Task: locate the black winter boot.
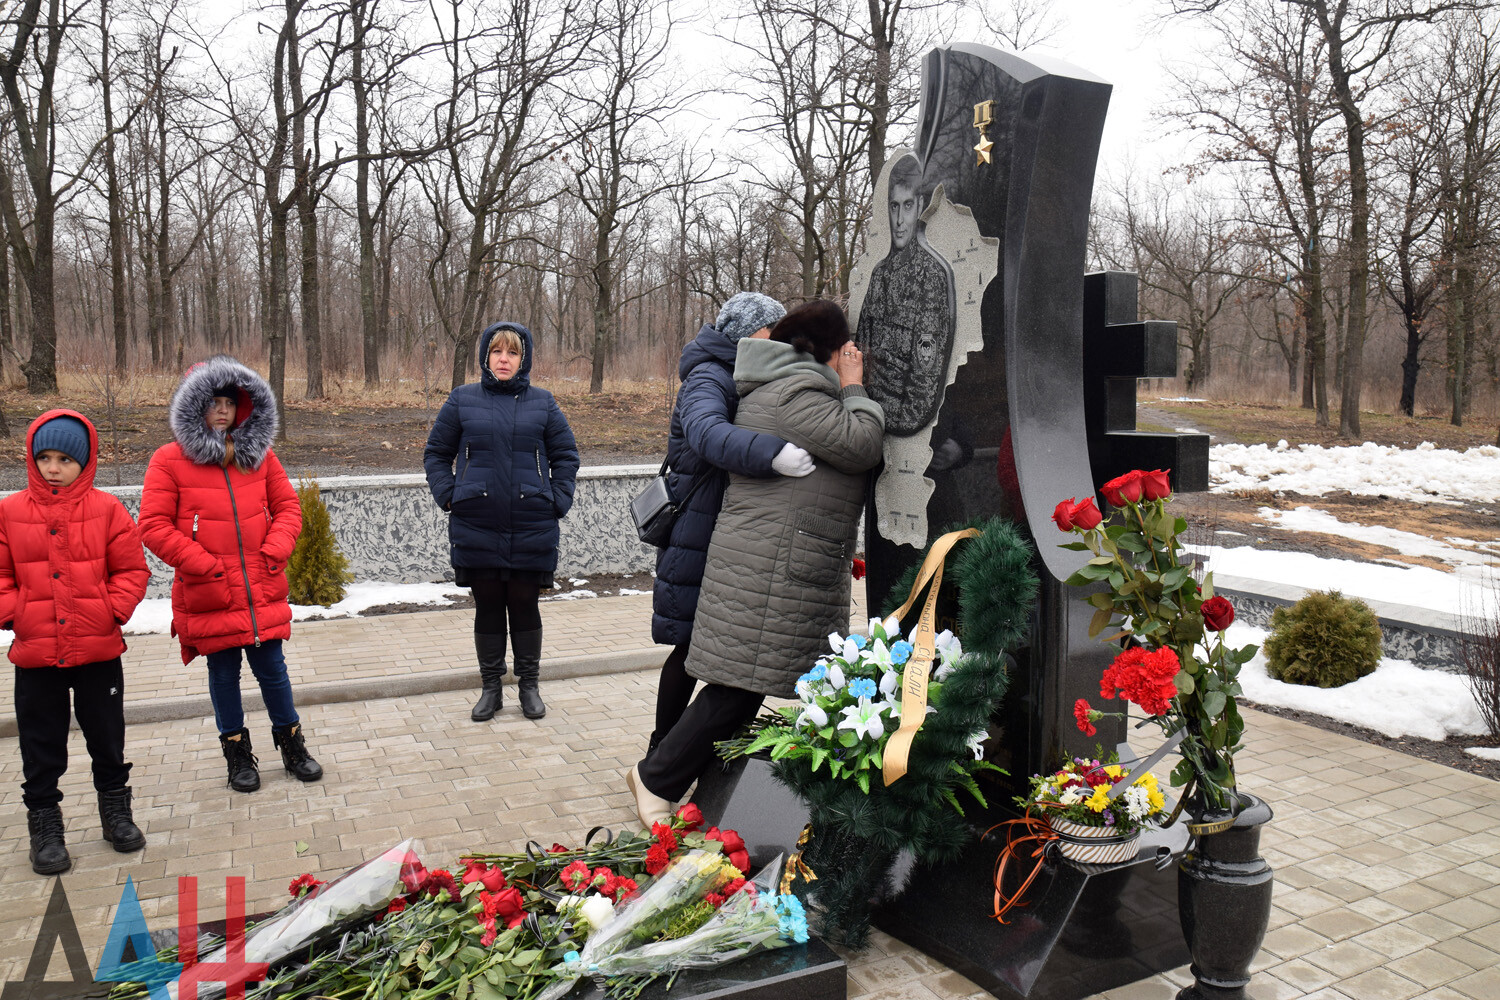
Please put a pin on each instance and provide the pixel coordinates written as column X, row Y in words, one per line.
column 527, row 656
column 294, row 752
column 243, row 777
column 490, row 650
column 49, row 854
column 119, row 823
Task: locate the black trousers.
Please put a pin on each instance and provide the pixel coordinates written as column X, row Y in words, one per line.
column 98, row 695
column 687, row 749
column 497, row 600
column 674, row 689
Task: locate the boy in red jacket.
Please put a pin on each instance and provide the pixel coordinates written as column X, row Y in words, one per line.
column 219, row 509
column 71, row 573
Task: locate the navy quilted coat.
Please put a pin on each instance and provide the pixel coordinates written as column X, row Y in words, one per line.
column 502, row 461
column 704, row 440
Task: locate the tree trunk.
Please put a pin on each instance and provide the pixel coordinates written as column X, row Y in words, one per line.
column 163, row 234
column 312, row 327
column 40, row 368
column 116, row 201
column 604, row 306
column 1410, row 365
column 369, row 330
column 1353, row 355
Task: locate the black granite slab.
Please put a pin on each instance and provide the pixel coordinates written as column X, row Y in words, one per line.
column 744, row 796
column 1083, row 929
column 799, row 972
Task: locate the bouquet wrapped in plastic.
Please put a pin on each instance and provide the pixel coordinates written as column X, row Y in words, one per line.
column 697, row 913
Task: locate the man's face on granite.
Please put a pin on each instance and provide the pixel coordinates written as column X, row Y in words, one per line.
column 904, row 210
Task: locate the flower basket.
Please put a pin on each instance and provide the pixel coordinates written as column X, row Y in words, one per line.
column 1094, row 845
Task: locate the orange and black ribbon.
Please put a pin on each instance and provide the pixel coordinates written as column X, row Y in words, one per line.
column 1028, row 836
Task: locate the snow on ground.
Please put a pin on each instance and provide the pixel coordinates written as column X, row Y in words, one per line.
column 1398, row 699
column 1425, row 473
column 1456, row 551
column 1487, row 753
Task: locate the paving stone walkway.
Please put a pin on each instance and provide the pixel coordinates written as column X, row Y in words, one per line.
column 1388, row 866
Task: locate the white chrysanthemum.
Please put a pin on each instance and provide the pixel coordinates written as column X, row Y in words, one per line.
column 1137, row 802
column 1071, row 797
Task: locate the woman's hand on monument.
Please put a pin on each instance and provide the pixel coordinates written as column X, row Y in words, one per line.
column 849, row 362
column 792, row 461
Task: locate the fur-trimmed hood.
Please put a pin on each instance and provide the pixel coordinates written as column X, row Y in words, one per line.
column 255, row 422
column 522, row 378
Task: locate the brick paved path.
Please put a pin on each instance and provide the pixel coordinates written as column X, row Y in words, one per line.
column 1388, row 866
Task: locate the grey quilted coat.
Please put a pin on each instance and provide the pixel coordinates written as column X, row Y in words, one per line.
column 777, row 580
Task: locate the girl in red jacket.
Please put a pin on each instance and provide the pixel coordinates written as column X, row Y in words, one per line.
column 71, row 573
column 218, row 508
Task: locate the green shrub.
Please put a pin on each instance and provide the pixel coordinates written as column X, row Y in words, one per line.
column 1324, row 640
column 317, row 571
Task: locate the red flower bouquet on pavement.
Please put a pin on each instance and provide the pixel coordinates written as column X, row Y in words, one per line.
column 1176, row 666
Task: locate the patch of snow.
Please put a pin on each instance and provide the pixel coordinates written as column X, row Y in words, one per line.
column 1183, row 399
column 1405, row 542
column 632, row 592
column 1398, row 699
column 1485, row 753
column 576, row 582
column 361, row 596
column 572, row 595
column 1423, row 474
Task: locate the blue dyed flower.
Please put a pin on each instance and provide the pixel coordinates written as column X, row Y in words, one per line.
column 862, row 687
column 792, row 919
column 900, row 651
column 858, row 640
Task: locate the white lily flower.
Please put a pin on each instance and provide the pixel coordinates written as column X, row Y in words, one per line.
column 889, row 682
column 814, row 715
column 976, row 743
column 880, row 654
column 836, row 642
column 865, row 719
column 835, row 675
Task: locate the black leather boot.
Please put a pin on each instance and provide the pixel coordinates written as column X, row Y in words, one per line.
column 490, row 650
column 288, row 739
column 243, row 777
column 527, row 656
column 119, row 823
column 49, row 854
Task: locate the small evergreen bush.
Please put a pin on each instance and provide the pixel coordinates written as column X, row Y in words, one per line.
column 317, row 571
column 1324, row 640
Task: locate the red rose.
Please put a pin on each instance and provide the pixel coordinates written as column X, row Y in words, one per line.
column 656, row 859
column 1062, row 514
column 302, row 884
column 506, row 906
column 1218, row 614
column 412, row 874
column 1086, row 515
column 557, row 848
column 732, row 841
column 857, row 570
column 1123, row 489
column 1082, row 715
column 1145, row 678
column 741, row 860
column 1156, row 484
column 664, row 836
column 691, row 817
column 492, row 879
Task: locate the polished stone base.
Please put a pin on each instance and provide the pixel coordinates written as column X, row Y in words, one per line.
column 1083, row 929
column 799, row 972
column 744, row 796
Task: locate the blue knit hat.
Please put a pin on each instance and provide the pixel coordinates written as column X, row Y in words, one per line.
column 65, row 434
column 747, row 312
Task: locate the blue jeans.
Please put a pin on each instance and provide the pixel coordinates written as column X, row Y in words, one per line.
column 269, row 667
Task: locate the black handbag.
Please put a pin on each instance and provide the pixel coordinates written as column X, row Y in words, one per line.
column 655, row 510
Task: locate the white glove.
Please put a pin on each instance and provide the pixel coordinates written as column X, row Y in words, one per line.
column 792, row 461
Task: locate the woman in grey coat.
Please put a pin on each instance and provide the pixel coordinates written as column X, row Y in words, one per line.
column 777, row 580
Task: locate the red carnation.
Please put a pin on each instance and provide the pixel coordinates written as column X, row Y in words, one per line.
column 1124, row 489
column 623, row 888
column 664, row 836
column 440, row 880
column 656, row 859
column 1218, row 614
column 1082, row 714
column 302, row 884
column 576, row 876
column 397, row 905
column 734, row 886
column 713, row 899
column 1156, row 484
column 857, row 570
column 691, row 817
column 1146, row 678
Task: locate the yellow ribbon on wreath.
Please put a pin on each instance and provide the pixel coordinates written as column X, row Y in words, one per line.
column 924, row 650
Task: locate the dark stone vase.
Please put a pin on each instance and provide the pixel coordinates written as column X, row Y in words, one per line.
column 1224, row 902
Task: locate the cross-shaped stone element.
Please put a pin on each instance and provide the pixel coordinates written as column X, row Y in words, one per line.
column 1119, row 349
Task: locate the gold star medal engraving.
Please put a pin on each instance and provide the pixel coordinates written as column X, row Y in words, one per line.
column 984, row 117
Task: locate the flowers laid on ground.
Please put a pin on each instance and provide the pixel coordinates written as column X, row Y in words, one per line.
column 503, row 926
column 1177, row 667
column 1079, row 792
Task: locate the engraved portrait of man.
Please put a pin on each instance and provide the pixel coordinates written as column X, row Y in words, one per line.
column 906, row 324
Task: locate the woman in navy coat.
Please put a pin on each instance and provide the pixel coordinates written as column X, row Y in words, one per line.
column 502, row 461
column 705, row 442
